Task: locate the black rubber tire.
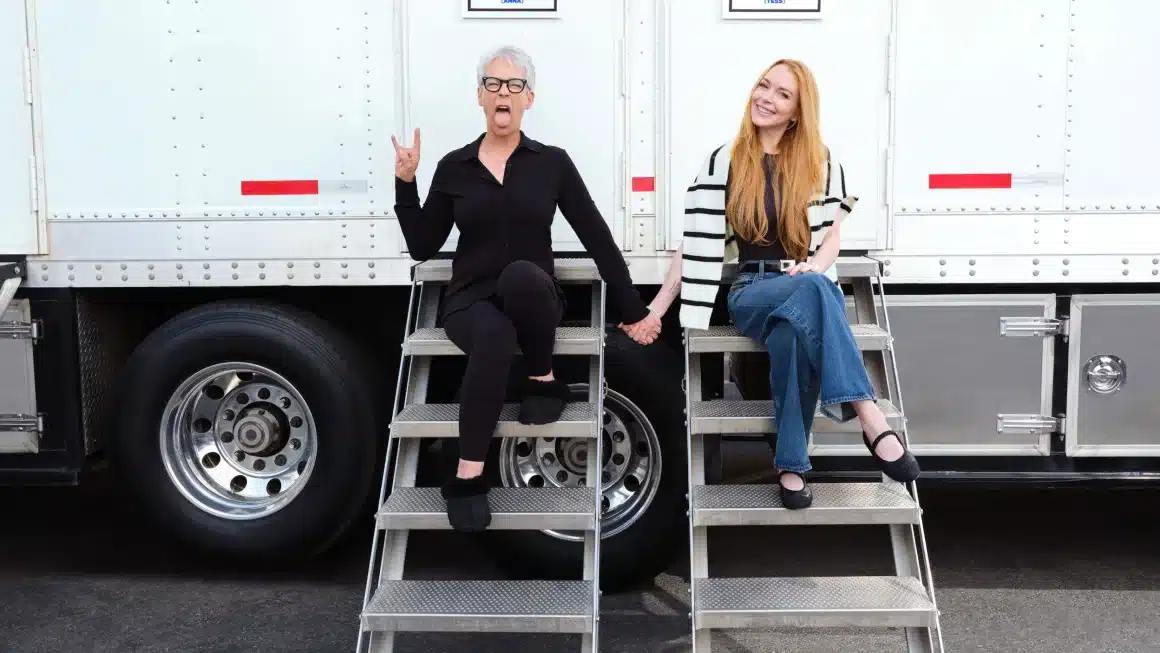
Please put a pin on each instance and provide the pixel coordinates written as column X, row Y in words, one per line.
column 649, row 376
column 318, row 360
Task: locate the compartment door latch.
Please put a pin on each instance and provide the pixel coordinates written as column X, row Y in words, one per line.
column 1032, row 326
column 1030, row 424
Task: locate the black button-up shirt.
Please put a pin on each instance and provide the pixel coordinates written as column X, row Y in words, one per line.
column 502, row 223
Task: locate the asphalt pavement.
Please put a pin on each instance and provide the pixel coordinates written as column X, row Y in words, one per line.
column 1027, row 570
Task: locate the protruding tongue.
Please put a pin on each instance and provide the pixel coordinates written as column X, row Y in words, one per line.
column 503, row 116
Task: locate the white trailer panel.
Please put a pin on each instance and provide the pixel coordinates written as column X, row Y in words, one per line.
column 909, row 89
column 579, row 103
column 711, row 63
column 981, row 95
column 19, row 232
column 159, row 108
column 1112, row 94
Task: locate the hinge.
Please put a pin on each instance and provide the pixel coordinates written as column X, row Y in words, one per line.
column 22, row 423
column 886, row 156
column 1032, row 326
column 20, row 330
column 32, row 183
column 890, row 63
column 625, row 185
column 1033, row 424
column 622, row 63
column 27, row 75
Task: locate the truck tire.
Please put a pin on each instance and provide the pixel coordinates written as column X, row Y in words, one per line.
column 645, row 524
column 246, row 429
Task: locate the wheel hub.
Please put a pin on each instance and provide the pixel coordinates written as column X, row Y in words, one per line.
column 257, row 431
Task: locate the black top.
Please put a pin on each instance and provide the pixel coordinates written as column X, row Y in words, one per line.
column 774, row 251
column 501, row 223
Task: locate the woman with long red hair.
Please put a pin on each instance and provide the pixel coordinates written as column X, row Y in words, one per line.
column 773, row 201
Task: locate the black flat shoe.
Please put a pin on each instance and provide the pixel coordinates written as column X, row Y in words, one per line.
column 543, row 401
column 903, row 470
column 795, row 499
column 467, row 509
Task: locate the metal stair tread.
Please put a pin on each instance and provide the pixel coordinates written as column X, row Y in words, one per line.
column 846, row 267
column 423, row 508
column 813, row 601
column 566, row 270
column 719, row 339
column 834, row 504
column 575, row 270
column 481, row 605
column 717, row 416
column 434, row 342
column 442, row 421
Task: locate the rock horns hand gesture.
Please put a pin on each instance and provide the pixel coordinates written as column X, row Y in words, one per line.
column 406, row 158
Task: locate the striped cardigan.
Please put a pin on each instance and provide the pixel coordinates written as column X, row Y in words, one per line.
column 709, row 241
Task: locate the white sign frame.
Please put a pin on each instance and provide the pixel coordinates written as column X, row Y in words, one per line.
column 774, row 9
column 499, row 9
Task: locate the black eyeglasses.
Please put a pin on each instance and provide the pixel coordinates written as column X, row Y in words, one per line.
column 513, row 85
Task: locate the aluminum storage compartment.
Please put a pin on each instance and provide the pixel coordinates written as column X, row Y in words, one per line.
column 966, row 387
column 1113, row 391
column 19, row 423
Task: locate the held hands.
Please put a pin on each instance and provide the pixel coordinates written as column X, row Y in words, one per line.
column 406, row 158
column 645, row 331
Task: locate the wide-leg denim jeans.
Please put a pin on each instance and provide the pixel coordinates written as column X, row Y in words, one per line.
column 813, row 356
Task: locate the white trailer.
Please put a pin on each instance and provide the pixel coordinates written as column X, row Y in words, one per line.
column 201, row 189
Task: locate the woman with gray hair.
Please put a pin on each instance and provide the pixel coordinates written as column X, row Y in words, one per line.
column 502, row 190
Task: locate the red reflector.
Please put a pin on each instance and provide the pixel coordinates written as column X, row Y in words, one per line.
column 644, row 184
column 973, row 181
column 291, row 187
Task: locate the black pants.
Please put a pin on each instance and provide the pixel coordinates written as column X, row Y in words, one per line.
column 523, row 315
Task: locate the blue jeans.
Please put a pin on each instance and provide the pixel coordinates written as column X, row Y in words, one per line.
column 812, row 353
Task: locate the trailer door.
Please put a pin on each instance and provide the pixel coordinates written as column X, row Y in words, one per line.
column 714, row 53
column 574, row 46
column 18, row 219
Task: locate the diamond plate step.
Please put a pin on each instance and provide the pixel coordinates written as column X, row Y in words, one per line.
column 570, row 341
column 808, row 602
column 834, row 504
column 578, row 270
column 442, row 421
column 423, row 508
column 567, row 270
column 524, row 606
column 721, row 416
column 719, row 339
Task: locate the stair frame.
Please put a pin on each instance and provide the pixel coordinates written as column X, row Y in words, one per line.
column 907, row 533
column 400, row 468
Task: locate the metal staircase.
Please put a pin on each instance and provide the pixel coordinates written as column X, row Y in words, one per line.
column 905, row 600
column 393, row 604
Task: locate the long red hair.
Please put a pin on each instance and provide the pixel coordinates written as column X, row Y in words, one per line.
column 799, row 167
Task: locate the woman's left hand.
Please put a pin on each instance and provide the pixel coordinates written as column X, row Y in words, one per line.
column 804, row 266
column 645, row 331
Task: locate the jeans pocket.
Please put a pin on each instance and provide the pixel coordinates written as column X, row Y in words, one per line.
column 736, row 287
column 740, row 282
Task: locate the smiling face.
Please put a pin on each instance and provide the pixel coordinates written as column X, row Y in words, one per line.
column 504, row 95
column 774, row 102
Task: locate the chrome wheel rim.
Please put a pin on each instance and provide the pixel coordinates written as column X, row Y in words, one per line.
column 631, row 468
column 238, row 441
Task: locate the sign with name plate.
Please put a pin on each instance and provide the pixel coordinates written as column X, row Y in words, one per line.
column 772, row 9
column 509, row 8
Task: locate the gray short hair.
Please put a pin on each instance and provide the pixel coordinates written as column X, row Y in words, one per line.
column 513, row 55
